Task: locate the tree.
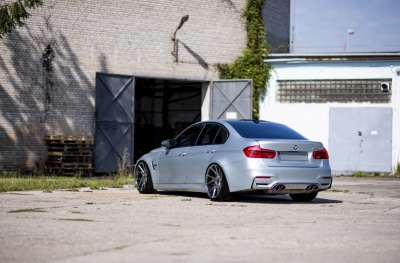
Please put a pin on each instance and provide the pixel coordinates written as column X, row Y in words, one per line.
column 14, row 13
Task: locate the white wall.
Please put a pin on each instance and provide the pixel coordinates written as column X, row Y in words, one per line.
column 312, row 119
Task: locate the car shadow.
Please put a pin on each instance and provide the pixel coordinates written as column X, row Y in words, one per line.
column 280, row 199
column 253, row 198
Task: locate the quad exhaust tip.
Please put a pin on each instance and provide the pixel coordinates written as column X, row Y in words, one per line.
column 312, row 187
column 279, row 187
column 282, row 187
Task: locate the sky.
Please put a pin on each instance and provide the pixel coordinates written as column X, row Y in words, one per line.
column 321, row 26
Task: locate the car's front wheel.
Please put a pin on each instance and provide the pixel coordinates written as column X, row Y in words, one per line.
column 216, row 184
column 304, row 197
column 143, row 181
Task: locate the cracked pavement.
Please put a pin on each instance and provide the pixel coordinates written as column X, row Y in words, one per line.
column 357, row 221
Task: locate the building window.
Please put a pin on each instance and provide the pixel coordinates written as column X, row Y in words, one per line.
column 320, row 91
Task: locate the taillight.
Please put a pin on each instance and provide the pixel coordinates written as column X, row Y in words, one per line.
column 257, row 152
column 321, row 154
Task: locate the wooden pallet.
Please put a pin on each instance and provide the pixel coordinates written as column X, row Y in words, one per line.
column 69, row 139
column 68, row 159
column 69, row 148
column 67, row 165
column 69, row 155
column 69, row 172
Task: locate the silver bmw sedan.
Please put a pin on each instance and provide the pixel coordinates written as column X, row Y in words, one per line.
column 224, row 157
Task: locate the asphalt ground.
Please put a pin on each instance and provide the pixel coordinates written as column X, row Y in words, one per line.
column 357, row 221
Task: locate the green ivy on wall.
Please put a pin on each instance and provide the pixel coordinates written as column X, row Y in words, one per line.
column 251, row 65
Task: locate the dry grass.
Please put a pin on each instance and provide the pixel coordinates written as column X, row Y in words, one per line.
column 17, row 182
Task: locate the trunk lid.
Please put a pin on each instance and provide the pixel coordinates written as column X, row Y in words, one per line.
column 292, row 153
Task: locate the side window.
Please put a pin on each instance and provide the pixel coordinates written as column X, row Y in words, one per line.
column 208, row 134
column 222, row 136
column 188, row 137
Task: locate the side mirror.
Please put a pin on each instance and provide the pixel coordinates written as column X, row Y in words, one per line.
column 167, row 143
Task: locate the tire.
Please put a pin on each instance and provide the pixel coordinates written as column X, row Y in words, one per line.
column 216, row 185
column 144, row 183
column 304, row 197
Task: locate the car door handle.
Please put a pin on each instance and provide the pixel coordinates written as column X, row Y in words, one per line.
column 182, row 154
column 211, row 151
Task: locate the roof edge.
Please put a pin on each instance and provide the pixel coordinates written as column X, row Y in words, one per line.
column 333, row 57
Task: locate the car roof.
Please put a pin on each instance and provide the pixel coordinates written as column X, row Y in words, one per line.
column 261, row 129
column 255, row 121
column 246, row 120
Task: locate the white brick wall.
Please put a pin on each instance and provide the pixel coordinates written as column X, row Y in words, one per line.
column 124, row 37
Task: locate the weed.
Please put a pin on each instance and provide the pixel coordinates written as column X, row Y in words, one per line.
column 17, row 182
column 397, row 170
column 366, row 193
column 371, row 174
column 217, row 204
column 27, row 210
column 79, row 174
column 187, row 199
column 123, row 165
column 358, row 174
column 338, row 191
column 120, row 247
column 76, row 219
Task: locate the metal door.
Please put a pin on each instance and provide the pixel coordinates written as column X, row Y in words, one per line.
column 114, row 121
column 360, row 139
column 231, row 99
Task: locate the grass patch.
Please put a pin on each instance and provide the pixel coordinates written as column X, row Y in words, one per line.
column 76, row 219
column 13, row 182
column 372, row 174
column 357, row 174
column 96, row 187
column 120, row 247
column 338, row 191
column 27, row 210
column 397, row 170
column 73, row 190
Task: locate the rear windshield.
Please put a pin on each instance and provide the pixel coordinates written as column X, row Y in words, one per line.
column 265, row 130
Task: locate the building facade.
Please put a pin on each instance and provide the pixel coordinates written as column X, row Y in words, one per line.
column 350, row 102
column 50, row 68
column 276, row 16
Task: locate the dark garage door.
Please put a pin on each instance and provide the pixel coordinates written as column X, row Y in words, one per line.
column 135, row 114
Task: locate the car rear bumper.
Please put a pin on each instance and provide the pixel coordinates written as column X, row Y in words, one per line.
column 292, row 188
column 255, row 175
